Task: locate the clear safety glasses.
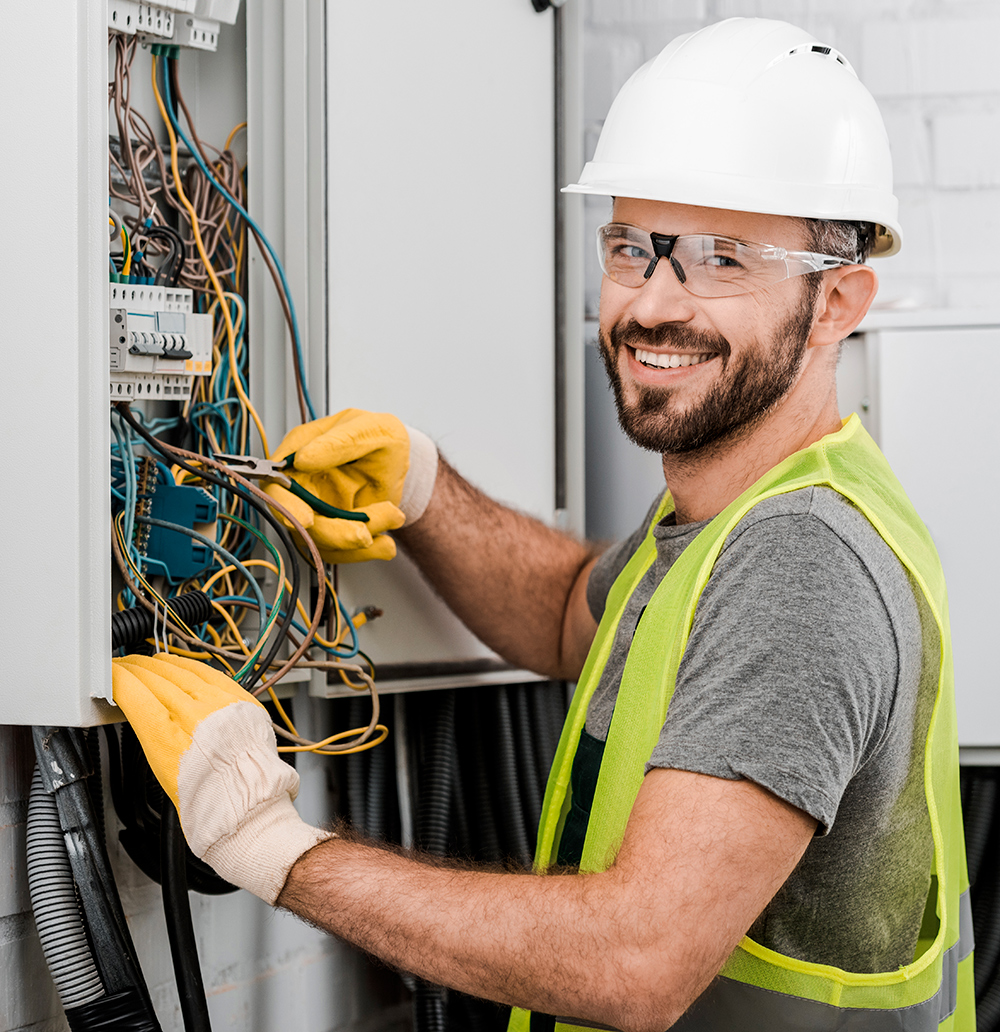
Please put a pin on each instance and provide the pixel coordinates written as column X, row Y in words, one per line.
column 706, row 265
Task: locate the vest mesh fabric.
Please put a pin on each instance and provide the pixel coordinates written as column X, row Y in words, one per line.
column 849, row 462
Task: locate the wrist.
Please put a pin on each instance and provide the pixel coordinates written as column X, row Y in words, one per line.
column 260, row 854
column 420, row 477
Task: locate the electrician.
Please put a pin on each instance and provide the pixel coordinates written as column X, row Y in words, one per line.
column 782, row 847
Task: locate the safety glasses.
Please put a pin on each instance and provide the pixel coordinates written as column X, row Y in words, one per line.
column 706, row 265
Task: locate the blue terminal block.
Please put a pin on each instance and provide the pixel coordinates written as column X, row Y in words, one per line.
column 168, row 552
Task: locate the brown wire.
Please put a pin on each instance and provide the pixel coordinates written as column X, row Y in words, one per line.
column 175, row 87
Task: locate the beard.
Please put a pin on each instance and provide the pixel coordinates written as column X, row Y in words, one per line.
column 750, row 386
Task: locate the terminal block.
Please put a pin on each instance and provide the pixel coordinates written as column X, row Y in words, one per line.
column 170, row 553
column 158, row 344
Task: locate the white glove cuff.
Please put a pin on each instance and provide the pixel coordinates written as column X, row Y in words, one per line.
column 260, row 854
column 419, row 483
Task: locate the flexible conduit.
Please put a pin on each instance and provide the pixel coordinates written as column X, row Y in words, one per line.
column 53, row 899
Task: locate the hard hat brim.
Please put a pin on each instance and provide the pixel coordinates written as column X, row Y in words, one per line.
column 850, row 203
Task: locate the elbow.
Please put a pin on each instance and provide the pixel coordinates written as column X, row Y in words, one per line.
column 650, row 996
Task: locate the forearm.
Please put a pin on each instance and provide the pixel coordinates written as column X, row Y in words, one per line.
column 507, row 576
column 563, row 944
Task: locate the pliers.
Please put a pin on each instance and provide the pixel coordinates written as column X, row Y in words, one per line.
column 272, row 469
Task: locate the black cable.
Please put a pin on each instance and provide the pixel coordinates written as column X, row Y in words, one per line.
column 527, row 764
column 433, row 821
column 981, row 794
column 180, row 928
column 479, row 802
column 64, row 750
column 172, row 266
column 130, row 626
column 375, row 789
column 357, row 795
column 508, row 802
column 254, row 674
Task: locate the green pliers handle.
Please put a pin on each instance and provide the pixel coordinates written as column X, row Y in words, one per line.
column 323, row 508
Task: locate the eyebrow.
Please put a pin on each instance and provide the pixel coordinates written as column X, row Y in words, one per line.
column 725, row 244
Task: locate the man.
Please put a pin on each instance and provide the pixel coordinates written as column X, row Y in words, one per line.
column 759, row 771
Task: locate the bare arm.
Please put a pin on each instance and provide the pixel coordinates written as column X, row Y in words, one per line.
column 632, row 947
column 517, row 584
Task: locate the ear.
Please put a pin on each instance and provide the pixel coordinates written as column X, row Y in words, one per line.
column 844, row 298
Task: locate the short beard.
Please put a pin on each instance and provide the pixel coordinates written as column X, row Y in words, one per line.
column 749, row 388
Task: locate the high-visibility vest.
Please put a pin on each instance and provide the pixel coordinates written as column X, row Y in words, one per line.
column 759, row 989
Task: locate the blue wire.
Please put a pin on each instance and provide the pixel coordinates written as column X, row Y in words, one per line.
column 216, row 547
column 296, row 338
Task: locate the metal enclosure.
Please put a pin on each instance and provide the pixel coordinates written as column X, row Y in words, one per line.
column 441, row 205
column 54, row 421
column 439, row 145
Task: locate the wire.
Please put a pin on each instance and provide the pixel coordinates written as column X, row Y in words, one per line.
column 126, row 252
column 232, row 134
column 216, row 547
column 254, row 496
column 296, row 336
column 169, row 122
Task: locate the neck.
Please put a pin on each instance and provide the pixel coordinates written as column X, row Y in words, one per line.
column 703, row 483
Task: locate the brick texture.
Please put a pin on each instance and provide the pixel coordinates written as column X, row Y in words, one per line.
column 931, row 65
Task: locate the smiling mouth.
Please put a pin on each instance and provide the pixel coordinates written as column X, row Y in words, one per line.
column 663, row 360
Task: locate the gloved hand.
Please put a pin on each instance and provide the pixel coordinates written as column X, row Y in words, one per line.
column 363, row 461
column 211, row 746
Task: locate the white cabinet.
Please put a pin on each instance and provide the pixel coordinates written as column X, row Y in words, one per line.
column 925, row 385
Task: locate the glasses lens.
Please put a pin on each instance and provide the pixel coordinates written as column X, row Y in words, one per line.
column 720, row 267
column 625, row 253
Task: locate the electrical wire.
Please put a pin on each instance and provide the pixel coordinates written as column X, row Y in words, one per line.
column 299, row 362
column 208, row 196
column 169, row 122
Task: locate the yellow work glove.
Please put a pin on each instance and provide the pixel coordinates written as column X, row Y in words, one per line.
column 211, row 746
column 362, row 461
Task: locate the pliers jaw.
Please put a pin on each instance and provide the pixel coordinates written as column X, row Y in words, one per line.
column 256, row 469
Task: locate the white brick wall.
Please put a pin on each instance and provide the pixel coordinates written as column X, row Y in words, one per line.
column 933, row 68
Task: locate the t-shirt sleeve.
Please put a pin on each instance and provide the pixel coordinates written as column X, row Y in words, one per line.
column 613, row 561
column 790, row 672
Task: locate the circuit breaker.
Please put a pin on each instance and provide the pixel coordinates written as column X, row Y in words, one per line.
column 158, row 343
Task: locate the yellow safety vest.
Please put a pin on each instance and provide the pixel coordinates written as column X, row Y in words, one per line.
column 759, row 989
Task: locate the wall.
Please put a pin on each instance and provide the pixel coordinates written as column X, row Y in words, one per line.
column 932, row 67
column 264, row 970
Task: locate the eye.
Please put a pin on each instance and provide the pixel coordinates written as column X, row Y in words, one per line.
column 722, row 261
column 631, row 252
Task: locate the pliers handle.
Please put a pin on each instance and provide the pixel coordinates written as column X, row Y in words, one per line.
column 273, row 469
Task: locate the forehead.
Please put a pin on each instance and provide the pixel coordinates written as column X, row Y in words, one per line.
column 663, row 217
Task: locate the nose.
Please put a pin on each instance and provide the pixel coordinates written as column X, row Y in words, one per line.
column 662, row 299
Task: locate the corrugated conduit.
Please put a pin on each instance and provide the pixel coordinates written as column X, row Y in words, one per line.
column 53, row 899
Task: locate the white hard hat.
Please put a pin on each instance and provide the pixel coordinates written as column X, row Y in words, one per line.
column 754, row 115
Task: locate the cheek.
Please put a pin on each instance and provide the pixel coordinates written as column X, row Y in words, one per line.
column 614, row 301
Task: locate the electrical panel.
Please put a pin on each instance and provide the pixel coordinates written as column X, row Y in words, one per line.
column 185, row 23
column 158, row 344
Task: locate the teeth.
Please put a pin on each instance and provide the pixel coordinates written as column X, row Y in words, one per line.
column 665, row 361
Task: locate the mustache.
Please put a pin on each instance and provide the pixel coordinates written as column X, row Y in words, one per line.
column 680, row 338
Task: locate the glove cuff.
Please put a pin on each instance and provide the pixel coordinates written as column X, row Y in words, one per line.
column 260, row 854
column 419, row 483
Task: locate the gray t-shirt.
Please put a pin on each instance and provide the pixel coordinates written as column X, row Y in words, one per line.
column 801, row 674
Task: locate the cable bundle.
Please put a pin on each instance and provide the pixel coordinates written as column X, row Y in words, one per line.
column 981, row 816
column 470, row 770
